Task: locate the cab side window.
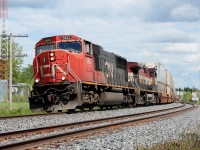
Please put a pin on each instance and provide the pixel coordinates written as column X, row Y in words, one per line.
column 88, row 48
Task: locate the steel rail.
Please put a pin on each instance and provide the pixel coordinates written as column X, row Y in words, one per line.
column 36, row 115
column 63, row 136
column 70, row 125
column 31, row 115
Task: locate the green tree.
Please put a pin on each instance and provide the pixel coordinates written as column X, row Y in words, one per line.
column 194, row 89
column 27, row 75
column 187, row 96
column 187, row 89
column 179, row 89
column 17, row 62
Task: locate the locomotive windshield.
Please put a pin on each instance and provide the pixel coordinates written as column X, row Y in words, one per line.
column 74, row 46
column 41, row 48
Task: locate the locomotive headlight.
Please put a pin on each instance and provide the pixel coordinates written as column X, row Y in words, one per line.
column 63, row 78
column 51, row 54
column 52, row 58
column 37, row 80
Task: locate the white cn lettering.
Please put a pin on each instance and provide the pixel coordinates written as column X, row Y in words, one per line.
column 109, row 69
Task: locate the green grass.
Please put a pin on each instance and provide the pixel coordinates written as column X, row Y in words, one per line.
column 189, row 141
column 19, row 108
column 178, row 145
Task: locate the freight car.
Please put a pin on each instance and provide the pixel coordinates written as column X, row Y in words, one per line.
column 71, row 72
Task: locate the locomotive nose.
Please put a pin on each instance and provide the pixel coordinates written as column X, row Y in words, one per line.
column 52, row 66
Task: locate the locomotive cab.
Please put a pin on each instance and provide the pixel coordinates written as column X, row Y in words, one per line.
column 58, row 72
column 61, row 65
column 55, row 59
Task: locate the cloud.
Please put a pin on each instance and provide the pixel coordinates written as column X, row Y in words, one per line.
column 148, row 54
column 167, row 35
column 30, row 4
column 191, row 58
column 165, row 31
column 186, row 12
column 182, row 48
column 170, row 11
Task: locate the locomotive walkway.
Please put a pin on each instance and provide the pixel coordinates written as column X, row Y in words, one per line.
column 86, row 128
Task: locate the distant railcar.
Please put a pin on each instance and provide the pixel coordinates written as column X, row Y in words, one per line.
column 70, row 72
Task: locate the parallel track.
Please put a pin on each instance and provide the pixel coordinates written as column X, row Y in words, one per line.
column 80, row 132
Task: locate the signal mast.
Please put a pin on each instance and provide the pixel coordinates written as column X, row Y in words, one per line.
column 3, row 41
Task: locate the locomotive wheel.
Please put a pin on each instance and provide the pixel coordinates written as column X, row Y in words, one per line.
column 91, row 108
column 146, row 103
column 49, row 111
column 71, row 111
column 101, row 107
column 128, row 105
column 59, row 110
column 82, row 108
column 108, row 107
column 123, row 106
column 134, row 105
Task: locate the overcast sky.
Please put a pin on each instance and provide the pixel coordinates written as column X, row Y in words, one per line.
column 167, row 31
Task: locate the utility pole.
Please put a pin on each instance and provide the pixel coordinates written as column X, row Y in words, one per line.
column 10, row 75
column 10, row 70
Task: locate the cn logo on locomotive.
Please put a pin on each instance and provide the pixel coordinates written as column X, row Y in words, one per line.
column 109, row 69
column 44, row 59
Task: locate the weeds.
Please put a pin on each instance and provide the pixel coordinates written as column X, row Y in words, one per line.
column 19, row 108
column 188, row 141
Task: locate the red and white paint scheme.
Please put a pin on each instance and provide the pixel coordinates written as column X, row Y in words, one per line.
column 71, row 72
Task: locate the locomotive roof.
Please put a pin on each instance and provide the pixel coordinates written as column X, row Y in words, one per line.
column 55, row 37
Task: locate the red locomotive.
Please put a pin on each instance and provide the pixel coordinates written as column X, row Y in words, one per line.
column 70, row 72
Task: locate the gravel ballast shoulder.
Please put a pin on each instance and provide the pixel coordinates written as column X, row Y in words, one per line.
column 126, row 138
column 130, row 138
column 9, row 125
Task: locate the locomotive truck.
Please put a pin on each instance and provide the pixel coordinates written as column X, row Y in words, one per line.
column 71, row 72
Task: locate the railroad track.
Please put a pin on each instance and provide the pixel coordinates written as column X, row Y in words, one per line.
column 33, row 115
column 38, row 115
column 80, row 129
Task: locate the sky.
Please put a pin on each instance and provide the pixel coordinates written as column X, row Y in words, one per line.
column 144, row 31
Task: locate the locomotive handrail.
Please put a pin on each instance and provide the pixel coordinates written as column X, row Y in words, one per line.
column 54, row 66
column 70, row 71
column 134, row 82
column 37, row 67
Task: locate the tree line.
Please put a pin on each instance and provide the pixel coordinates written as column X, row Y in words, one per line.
column 187, row 94
column 21, row 74
column 187, row 89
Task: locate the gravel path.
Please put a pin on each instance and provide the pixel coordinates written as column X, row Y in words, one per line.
column 146, row 135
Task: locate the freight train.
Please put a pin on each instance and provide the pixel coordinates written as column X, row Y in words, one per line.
column 71, row 72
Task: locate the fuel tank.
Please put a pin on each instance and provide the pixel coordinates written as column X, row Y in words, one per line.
column 111, row 98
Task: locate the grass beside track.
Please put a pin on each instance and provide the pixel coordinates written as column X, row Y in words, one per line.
column 19, row 108
column 189, row 141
